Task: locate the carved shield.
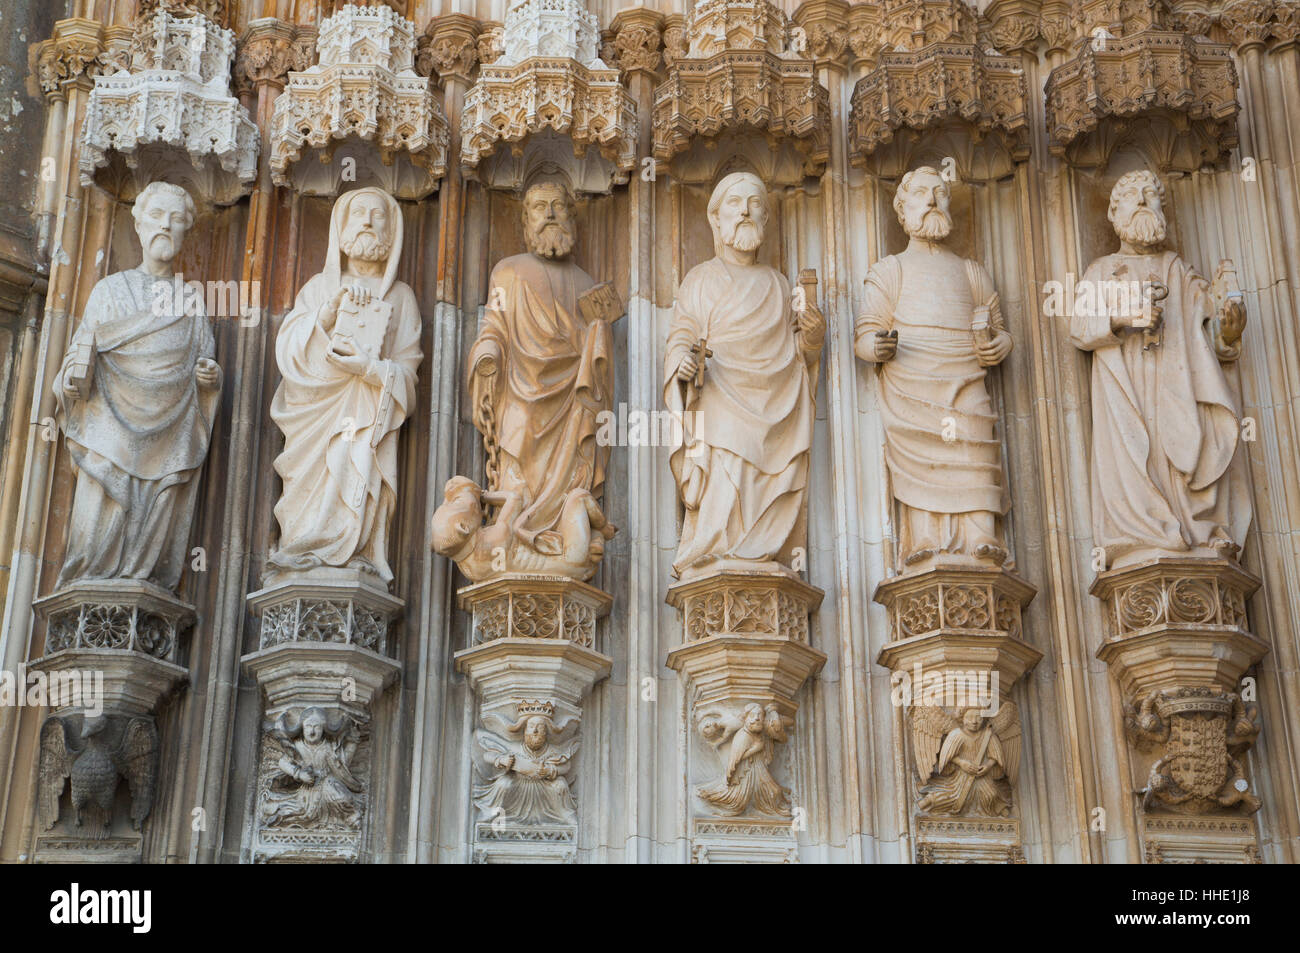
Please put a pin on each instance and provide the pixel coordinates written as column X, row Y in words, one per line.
column 1198, row 759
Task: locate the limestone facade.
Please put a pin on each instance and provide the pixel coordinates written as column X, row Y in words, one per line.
column 983, row 551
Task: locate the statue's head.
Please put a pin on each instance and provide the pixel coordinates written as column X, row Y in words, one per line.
column 365, row 225
column 548, row 220
column 1137, row 209
column 921, row 204
column 971, row 719
column 163, row 213
column 459, row 517
column 536, row 730
column 753, row 717
column 738, row 212
column 313, row 725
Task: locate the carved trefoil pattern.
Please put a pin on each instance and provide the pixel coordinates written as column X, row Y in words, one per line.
column 1183, row 89
column 173, row 105
column 311, row 619
column 540, row 608
column 364, row 87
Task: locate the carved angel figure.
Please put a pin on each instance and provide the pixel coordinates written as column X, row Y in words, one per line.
column 967, row 765
column 106, row 749
column 747, row 745
column 313, row 785
column 523, row 767
column 1204, row 733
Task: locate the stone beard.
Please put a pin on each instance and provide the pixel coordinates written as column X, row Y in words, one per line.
column 540, row 373
column 341, row 404
column 944, row 460
column 1167, row 477
column 139, row 428
column 742, row 469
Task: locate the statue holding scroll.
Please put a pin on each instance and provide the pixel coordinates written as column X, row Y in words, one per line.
column 137, row 396
column 348, row 354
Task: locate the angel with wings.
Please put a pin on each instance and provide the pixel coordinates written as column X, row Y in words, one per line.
column 105, row 750
column 523, row 767
column 967, row 765
column 747, row 744
column 313, row 784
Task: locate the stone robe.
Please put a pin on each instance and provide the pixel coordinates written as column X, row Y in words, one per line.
column 1167, row 476
column 949, row 491
column 743, row 466
column 339, row 464
column 554, row 376
column 139, row 439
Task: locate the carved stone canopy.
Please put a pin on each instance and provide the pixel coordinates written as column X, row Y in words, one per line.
column 973, row 101
column 741, row 83
column 365, row 89
column 170, row 115
column 549, row 85
column 1181, row 91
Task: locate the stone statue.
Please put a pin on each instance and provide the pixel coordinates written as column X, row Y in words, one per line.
column 932, row 322
column 968, row 766
column 523, row 767
column 313, row 785
column 348, row 354
column 136, row 397
column 740, row 368
column 482, row 551
column 1167, row 477
column 747, row 745
column 95, row 756
column 540, row 373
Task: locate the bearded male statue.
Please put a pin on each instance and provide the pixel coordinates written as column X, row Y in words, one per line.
column 540, row 374
column 1167, row 468
column 348, row 353
column 932, row 322
column 137, row 396
column 740, row 367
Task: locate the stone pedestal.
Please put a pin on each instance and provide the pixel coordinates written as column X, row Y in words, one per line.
column 957, row 646
column 744, row 659
column 321, row 659
column 109, row 662
column 1177, row 643
column 532, row 663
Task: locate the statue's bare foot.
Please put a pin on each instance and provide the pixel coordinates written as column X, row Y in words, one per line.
column 549, row 543
column 989, row 551
column 919, row 555
column 1226, row 548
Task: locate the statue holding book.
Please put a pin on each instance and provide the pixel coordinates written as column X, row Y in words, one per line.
column 348, row 354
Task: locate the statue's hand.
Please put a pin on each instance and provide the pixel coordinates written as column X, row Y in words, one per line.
column 506, row 762
column 74, row 390
column 883, row 347
column 687, row 369
column 343, row 353
column 207, row 374
column 812, row 325
column 1232, row 322
column 995, row 351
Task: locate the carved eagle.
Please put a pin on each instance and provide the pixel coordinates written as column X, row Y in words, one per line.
column 104, row 750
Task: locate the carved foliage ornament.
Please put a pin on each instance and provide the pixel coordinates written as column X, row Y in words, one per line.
column 365, row 86
column 985, row 94
column 1191, row 82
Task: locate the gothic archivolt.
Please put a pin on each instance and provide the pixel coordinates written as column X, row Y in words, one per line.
column 815, row 244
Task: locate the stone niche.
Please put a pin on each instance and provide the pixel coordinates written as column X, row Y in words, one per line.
column 361, row 114
column 167, row 114
column 548, row 101
column 740, row 88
